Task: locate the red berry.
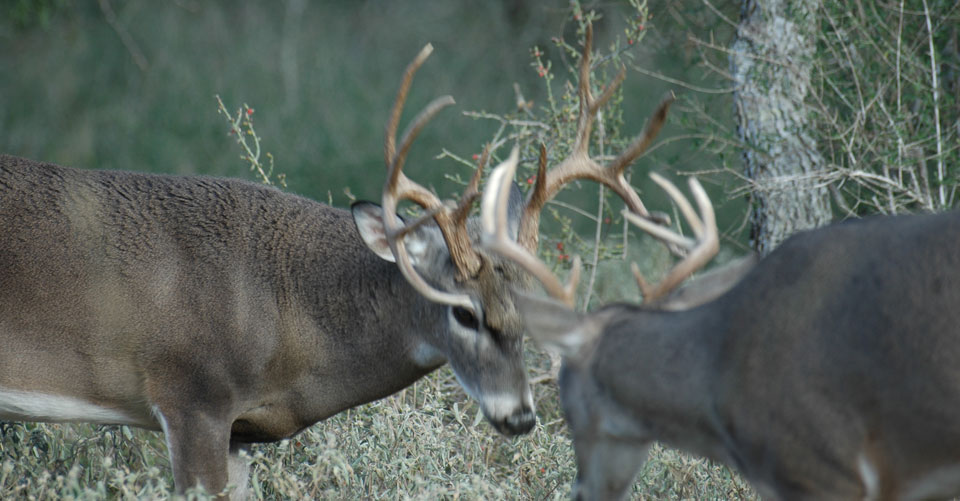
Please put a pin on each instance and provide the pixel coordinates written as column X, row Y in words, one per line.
column 249, row 111
column 531, row 179
column 476, row 157
column 559, row 246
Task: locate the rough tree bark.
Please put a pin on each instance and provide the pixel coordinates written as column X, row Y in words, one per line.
column 770, row 62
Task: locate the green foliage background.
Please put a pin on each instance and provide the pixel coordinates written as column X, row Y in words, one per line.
column 320, row 75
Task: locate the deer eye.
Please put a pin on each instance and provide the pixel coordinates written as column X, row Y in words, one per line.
column 465, row 318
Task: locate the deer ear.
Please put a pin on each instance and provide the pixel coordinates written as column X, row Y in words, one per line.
column 554, row 326
column 368, row 217
column 708, row 286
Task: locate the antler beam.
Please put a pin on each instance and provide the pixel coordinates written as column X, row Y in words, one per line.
column 579, row 165
column 493, row 214
column 699, row 251
column 451, row 221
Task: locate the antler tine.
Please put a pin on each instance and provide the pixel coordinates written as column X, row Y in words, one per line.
column 413, row 130
column 579, row 165
column 398, row 187
column 696, row 224
column 530, row 221
column 588, row 105
column 495, row 238
column 389, row 147
column 700, row 251
column 472, row 192
column 645, row 139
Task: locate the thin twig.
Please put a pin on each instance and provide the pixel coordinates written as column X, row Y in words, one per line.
column 941, row 173
column 599, row 232
column 719, row 14
column 681, row 83
column 125, row 38
column 513, row 122
column 573, row 208
column 899, row 42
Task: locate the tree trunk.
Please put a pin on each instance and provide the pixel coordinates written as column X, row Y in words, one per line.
column 770, row 61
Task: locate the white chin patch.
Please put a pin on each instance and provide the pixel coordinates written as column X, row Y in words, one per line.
column 502, row 405
column 35, row 406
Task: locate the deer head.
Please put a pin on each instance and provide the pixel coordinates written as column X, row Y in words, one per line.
column 438, row 255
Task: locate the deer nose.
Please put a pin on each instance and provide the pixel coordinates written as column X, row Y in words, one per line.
column 518, row 423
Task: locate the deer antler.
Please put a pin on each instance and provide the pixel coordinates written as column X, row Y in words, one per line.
column 493, row 217
column 579, row 165
column 451, row 221
column 699, row 251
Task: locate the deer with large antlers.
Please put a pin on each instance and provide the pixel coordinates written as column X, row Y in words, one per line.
column 828, row 370
column 225, row 313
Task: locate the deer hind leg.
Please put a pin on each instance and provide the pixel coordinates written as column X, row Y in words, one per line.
column 198, row 444
column 606, row 467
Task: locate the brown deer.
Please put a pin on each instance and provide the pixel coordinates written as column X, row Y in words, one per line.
column 828, row 370
column 225, row 313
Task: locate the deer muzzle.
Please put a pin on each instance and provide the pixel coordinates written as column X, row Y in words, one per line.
column 509, row 414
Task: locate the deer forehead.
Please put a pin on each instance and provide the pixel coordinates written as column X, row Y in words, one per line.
column 494, row 284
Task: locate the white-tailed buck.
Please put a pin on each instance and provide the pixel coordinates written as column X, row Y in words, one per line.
column 828, row 370
column 224, row 312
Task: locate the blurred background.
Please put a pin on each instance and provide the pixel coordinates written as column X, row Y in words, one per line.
column 131, row 84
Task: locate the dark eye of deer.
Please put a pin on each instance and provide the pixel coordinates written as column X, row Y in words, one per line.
column 465, row 318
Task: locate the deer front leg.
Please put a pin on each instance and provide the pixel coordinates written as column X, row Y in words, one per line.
column 606, row 467
column 239, row 471
column 199, row 444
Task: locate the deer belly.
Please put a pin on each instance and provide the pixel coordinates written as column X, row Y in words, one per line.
column 268, row 422
column 37, row 406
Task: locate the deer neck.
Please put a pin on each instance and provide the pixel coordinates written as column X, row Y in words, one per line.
column 352, row 329
column 666, row 376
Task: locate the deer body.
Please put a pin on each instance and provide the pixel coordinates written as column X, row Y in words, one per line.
column 222, row 312
column 830, row 371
